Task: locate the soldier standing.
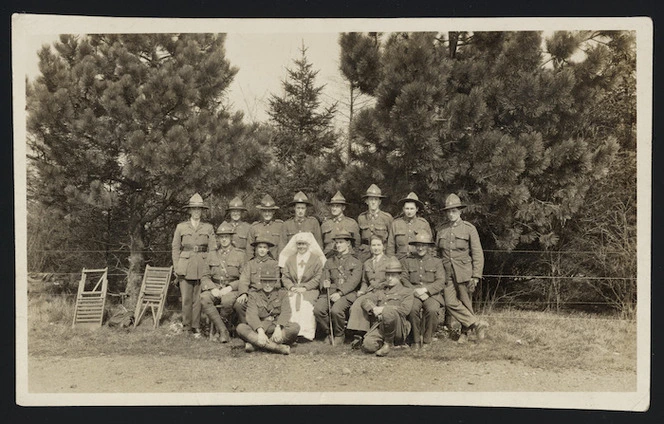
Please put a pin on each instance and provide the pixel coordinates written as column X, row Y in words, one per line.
column 461, row 250
column 250, row 277
column 226, row 267
column 405, row 228
column 268, row 324
column 267, row 228
column 300, row 223
column 372, row 222
column 426, row 275
column 341, row 273
column 389, row 306
column 191, row 243
column 338, row 223
column 240, row 228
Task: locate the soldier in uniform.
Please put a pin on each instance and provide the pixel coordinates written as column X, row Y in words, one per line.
column 460, row 248
column 300, row 223
column 426, row 275
column 338, row 223
column 372, row 222
column 241, row 228
column 389, row 307
column 373, row 277
column 250, row 280
column 405, row 228
column 192, row 241
column 225, row 266
column 268, row 324
column 341, row 278
column 267, row 229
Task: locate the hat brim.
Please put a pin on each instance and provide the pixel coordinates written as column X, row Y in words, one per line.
column 267, row 208
column 306, row 202
column 457, row 206
column 373, row 195
column 236, row 208
column 256, row 243
column 338, row 203
column 269, row 279
column 342, row 238
column 415, row 243
column 225, row 233
column 190, row 206
column 417, row 202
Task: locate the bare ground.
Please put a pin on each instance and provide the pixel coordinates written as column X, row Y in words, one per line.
column 350, row 371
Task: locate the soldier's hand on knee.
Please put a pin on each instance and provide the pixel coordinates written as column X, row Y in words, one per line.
column 225, row 291
column 277, row 336
column 334, row 297
column 242, row 299
column 262, row 337
column 216, row 293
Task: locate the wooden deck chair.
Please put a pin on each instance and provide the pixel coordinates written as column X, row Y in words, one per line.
column 153, row 293
column 90, row 303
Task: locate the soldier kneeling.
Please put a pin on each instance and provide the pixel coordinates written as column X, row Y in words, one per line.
column 268, row 315
column 390, row 306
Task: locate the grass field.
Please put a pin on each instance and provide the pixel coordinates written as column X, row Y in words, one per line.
column 540, row 340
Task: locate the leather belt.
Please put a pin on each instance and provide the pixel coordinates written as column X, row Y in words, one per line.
column 189, row 248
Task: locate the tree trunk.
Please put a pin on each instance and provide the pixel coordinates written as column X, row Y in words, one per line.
column 136, row 260
column 350, row 124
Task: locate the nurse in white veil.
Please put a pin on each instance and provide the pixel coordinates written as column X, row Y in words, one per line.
column 301, row 263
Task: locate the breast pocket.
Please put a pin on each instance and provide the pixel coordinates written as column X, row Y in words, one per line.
column 240, row 241
column 429, row 274
column 381, row 231
column 461, row 241
column 401, row 239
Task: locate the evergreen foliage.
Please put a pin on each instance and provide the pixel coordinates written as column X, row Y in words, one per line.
column 130, row 126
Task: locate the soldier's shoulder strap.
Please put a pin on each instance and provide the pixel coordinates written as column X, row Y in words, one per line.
column 387, row 214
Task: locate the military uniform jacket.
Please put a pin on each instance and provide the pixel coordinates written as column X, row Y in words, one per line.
column 379, row 224
column 189, row 259
column 373, row 274
column 397, row 297
column 250, row 279
column 344, row 273
column 459, row 246
column 265, row 230
column 402, row 232
column 294, row 226
column 334, row 225
column 241, row 234
column 226, row 267
column 265, row 309
column 427, row 272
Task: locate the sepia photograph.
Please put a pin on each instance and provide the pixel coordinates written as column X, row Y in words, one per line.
column 422, row 211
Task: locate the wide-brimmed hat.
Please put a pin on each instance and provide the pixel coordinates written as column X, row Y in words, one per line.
column 269, row 274
column 412, row 197
column 338, row 199
column 260, row 240
column 225, row 228
column 267, row 203
column 422, row 238
column 342, row 235
column 453, row 201
column 373, row 191
column 393, row 265
column 236, row 204
column 196, row 201
column 300, row 198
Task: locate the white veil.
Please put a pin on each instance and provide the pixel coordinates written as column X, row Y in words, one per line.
column 291, row 248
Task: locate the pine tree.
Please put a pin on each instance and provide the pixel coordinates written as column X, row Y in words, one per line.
column 130, row 126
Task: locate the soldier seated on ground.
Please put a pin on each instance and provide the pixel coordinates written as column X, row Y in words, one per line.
column 389, row 306
column 268, row 314
column 250, row 277
column 226, row 265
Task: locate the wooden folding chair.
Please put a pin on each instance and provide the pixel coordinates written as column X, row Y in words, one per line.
column 153, row 293
column 90, row 304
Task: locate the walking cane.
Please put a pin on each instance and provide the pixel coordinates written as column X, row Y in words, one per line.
column 326, row 285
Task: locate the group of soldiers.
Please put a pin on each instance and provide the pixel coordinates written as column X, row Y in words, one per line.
column 376, row 282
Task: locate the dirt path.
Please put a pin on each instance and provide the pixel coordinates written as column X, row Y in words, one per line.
column 266, row 372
